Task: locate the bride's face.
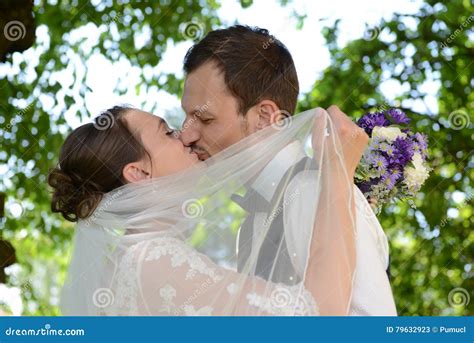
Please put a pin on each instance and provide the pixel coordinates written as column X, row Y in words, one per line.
column 167, row 154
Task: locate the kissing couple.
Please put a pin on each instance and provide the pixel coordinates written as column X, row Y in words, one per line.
column 248, row 210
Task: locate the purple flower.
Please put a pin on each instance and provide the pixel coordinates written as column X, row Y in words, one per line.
column 420, row 143
column 398, row 116
column 422, row 139
column 366, row 186
column 396, row 175
column 381, row 173
column 403, row 151
column 389, row 180
column 387, row 149
column 370, row 120
column 379, row 162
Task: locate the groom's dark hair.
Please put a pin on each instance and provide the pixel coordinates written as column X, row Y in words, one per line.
column 256, row 65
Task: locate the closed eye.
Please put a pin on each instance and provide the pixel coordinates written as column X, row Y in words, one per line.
column 169, row 131
column 206, row 120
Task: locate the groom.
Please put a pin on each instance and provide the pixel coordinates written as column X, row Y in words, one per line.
column 240, row 80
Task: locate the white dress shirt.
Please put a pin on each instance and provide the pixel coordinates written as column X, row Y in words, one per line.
column 372, row 294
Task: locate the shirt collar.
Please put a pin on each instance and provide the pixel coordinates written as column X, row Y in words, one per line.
column 269, row 179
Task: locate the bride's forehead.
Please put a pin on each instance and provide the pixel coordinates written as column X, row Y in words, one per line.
column 140, row 120
column 139, row 116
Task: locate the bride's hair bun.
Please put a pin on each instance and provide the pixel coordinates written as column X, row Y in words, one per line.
column 91, row 162
column 72, row 197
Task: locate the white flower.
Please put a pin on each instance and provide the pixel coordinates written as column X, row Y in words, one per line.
column 417, row 161
column 415, row 176
column 387, row 133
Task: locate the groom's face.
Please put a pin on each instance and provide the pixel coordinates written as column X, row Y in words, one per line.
column 213, row 121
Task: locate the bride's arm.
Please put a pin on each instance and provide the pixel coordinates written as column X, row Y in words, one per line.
column 332, row 254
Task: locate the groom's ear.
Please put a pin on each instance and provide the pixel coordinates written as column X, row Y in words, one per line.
column 134, row 172
column 268, row 113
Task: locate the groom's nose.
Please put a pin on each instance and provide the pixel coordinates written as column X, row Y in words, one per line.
column 189, row 133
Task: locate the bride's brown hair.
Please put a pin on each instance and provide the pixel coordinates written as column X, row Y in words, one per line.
column 91, row 161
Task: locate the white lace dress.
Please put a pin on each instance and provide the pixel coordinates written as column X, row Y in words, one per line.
column 165, row 276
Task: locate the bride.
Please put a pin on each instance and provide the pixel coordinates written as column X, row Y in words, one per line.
column 156, row 229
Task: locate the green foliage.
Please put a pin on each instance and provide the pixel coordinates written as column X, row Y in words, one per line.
column 431, row 252
column 32, row 133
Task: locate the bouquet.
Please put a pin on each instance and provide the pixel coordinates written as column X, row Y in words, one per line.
column 395, row 162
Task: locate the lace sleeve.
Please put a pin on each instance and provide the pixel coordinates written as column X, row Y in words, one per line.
column 173, row 279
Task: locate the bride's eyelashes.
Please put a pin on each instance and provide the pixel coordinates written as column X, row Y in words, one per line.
column 171, row 132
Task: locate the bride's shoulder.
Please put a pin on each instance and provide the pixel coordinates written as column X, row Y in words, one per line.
column 163, row 253
column 156, row 242
column 155, row 247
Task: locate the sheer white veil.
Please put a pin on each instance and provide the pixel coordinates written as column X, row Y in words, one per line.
column 119, row 261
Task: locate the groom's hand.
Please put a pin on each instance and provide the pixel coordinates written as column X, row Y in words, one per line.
column 353, row 138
